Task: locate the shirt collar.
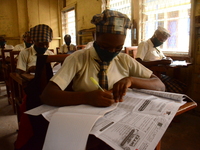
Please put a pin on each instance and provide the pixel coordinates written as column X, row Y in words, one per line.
column 150, row 42
column 34, row 51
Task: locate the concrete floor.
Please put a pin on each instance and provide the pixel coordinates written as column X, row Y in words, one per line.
column 8, row 122
column 182, row 134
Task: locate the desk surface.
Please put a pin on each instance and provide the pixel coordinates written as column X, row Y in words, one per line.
column 186, row 107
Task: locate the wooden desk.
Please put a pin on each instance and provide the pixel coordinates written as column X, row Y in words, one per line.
column 158, row 70
column 184, row 108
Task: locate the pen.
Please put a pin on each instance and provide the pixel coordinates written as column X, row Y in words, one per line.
column 96, row 83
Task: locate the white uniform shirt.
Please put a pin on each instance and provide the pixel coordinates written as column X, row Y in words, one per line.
column 19, row 47
column 27, row 58
column 64, row 49
column 82, row 65
column 89, row 44
column 147, row 52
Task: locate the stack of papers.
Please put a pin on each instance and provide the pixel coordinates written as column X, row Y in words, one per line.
column 178, row 63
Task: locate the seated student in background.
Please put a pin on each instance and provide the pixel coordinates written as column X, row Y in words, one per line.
column 3, row 44
column 147, row 52
column 67, row 48
column 41, row 36
column 149, row 55
column 7, row 56
column 27, row 42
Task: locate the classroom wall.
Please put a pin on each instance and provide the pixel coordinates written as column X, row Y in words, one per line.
column 85, row 10
column 18, row 16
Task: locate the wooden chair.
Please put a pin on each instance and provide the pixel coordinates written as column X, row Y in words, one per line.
column 6, row 71
column 51, row 50
column 57, row 50
column 132, row 51
column 78, row 47
column 33, row 91
column 13, row 64
column 13, row 61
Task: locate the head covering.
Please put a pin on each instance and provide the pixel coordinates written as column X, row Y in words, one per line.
column 67, row 36
column 26, row 34
column 163, row 31
column 110, row 21
column 41, row 33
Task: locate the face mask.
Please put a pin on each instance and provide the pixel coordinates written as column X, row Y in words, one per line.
column 2, row 43
column 40, row 50
column 67, row 43
column 104, row 54
column 156, row 42
column 28, row 44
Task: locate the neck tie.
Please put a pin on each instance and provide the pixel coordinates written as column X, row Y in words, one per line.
column 103, row 81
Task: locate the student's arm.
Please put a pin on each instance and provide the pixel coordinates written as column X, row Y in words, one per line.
column 152, row 83
column 19, row 71
column 53, row 95
column 154, row 63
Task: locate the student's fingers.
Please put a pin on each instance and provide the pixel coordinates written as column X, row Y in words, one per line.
column 100, row 99
column 119, row 90
column 108, row 94
column 115, row 92
column 106, row 102
column 122, row 91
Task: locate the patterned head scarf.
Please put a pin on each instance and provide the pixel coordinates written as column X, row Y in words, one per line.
column 163, row 31
column 110, row 21
column 67, row 36
column 41, row 33
column 26, row 34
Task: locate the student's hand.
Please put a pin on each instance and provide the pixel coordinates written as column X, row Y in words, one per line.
column 99, row 98
column 32, row 69
column 120, row 87
column 167, row 60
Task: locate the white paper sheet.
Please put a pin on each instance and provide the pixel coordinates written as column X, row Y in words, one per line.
column 69, row 131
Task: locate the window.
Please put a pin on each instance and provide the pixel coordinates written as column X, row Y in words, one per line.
column 69, row 25
column 174, row 15
column 123, row 6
